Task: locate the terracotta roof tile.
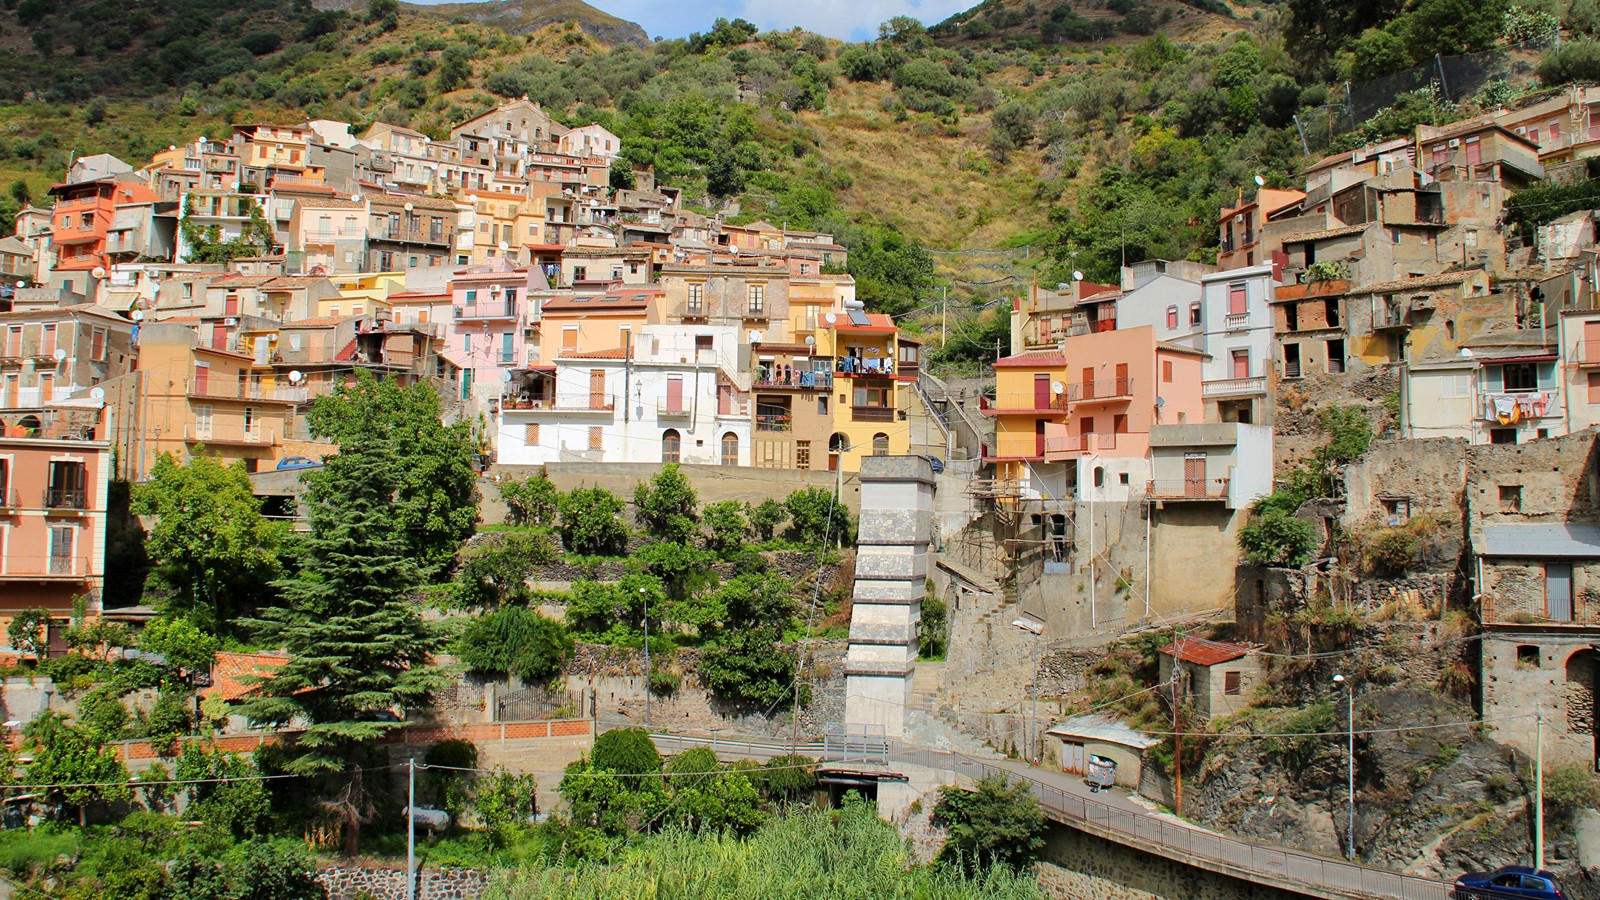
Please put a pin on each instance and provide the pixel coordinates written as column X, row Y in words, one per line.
column 1206, row 653
column 231, row 672
column 1412, row 284
column 1341, row 231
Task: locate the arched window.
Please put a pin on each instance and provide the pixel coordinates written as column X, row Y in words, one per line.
column 1099, row 476
column 730, row 449
column 880, row 444
column 838, row 443
column 671, row 446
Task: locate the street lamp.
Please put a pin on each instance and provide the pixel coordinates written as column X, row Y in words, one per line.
column 1036, row 628
column 1350, row 767
column 644, row 599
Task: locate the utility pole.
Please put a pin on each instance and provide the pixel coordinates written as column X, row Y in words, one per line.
column 1538, row 793
column 411, row 828
column 644, row 599
column 944, row 312
column 1350, row 767
column 1177, row 735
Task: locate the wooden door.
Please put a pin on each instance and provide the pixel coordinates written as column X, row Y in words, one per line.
column 1122, row 379
column 1041, row 391
column 1038, row 437
column 1088, row 383
column 1194, row 474
column 674, row 394
column 597, row 388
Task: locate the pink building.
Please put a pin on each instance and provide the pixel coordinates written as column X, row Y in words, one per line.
column 492, row 327
column 52, row 521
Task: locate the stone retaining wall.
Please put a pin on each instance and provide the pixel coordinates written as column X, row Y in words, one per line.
column 380, row 883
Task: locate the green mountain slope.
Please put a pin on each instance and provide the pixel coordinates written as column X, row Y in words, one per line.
column 520, row 16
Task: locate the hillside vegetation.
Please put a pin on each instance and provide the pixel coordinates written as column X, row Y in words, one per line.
column 1012, row 125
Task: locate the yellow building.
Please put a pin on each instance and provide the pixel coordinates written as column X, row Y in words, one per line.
column 503, row 223
column 874, row 370
column 1025, row 404
column 364, row 293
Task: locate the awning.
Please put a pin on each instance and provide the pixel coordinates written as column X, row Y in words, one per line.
column 1542, row 541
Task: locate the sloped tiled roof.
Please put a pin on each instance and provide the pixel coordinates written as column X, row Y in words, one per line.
column 1323, row 235
column 1205, row 653
column 1412, row 284
column 1030, row 359
column 231, row 673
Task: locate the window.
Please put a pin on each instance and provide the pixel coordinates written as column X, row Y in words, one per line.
column 671, row 446
column 1396, row 510
column 1558, row 591
column 1166, row 371
column 802, row 455
column 596, row 437
column 251, row 423
column 1291, row 360
column 730, row 449
column 1238, row 299
column 507, row 352
column 68, row 487
column 1527, row 656
column 1172, row 317
column 1330, row 312
column 1194, row 314
column 1510, row 498
column 466, row 343
column 5, row 480
column 758, row 295
column 1336, row 356
column 1520, row 377
column 530, row 434
column 822, row 405
column 1502, row 435
column 580, row 273
column 1122, row 478
column 1232, row 683
column 62, row 541
column 1099, row 476
column 569, row 337
column 1241, row 364
column 880, row 444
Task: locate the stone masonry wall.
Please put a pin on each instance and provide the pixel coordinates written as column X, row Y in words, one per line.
column 1079, row 866
column 349, row 882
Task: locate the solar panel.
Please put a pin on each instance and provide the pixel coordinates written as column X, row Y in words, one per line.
column 859, row 317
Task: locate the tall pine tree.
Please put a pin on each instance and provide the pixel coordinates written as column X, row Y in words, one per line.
column 358, row 650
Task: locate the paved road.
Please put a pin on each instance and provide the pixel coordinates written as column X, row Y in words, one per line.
column 1115, row 817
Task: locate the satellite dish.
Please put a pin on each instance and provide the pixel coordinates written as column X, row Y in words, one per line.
column 409, row 206
column 295, row 377
column 505, row 376
column 1260, row 182
column 60, row 354
column 1076, row 275
column 1057, row 387
column 831, row 318
column 755, row 337
column 1466, row 351
column 234, row 185
column 504, row 246
column 22, row 284
column 172, row 147
column 811, row 340
column 98, row 393
column 1160, row 402
column 98, row 271
column 138, row 315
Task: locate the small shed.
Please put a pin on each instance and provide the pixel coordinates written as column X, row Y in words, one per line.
column 1220, row 676
column 1084, row 736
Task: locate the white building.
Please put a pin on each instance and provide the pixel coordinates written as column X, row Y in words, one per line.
column 591, row 140
column 675, row 400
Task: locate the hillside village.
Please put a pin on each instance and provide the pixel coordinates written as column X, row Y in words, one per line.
column 1360, row 443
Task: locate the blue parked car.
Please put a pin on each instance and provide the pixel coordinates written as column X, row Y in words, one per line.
column 1510, row 881
column 297, row 462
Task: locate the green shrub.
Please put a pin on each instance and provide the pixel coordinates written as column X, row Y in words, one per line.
column 1275, row 538
column 515, row 641
column 444, row 781
column 997, row 822
column 626, row 751
column 1573, row 61
column 1297, row 738
column 591, row 522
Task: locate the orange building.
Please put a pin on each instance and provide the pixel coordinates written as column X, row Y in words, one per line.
column 53, row 522
column 83, row 214
column 1075, row 422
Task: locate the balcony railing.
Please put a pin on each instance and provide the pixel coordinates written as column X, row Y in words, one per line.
column 775, row 422
column 54, row 567
column 1588, row 353
column 10, row 500
column 1100, row 389
column 502, row 310
column 225, row 390
column 66, row 498
column 735, row 409
column 1234, row 387
column 1236, row 321
column 1188, row 489
column 1022, row 402
column 809, row 381
column 569, row 406
column 871, row 366
column 249, row 437
column 1512, row 407
column 673, row 409
column 872, row 414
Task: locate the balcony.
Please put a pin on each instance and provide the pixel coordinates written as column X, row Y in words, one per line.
column 1236, row 321
column 1178, row 489
column 505, row 309
column 209, row 390
column 10, row 501
column 1022, row 403
column 415, row 235
column 673, row 409
column 76, row 499
column 864, row 367
column 1506, row 408
column 229, row 436
column 589, row 405
column 803, row 381
column 46, row 568
column 1058, row 449
column 1588, row 356
column 735, row 409
column 1233, row 387
column 775, row 422
column 1101, row 390
column 872, row 414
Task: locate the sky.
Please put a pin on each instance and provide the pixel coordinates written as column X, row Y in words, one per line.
column 852, row 20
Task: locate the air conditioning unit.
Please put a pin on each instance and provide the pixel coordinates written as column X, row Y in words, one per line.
column 230, row 322
column 1455, row 142
column 1239, row 218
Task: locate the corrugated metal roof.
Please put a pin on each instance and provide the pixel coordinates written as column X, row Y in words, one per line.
column 1542, row 541
column 1101, row 728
